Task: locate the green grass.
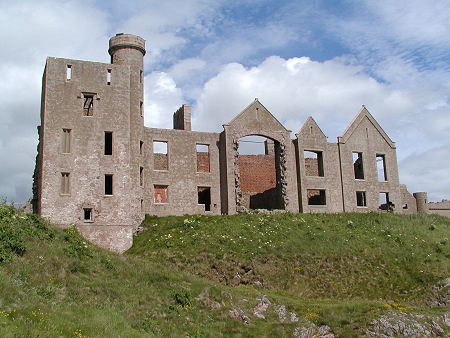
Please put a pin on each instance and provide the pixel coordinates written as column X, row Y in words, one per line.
column 345, row 256
column 53, row 283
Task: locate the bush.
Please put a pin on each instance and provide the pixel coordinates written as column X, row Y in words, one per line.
column 78, row 246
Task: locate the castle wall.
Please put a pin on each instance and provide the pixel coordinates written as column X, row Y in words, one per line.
column 441, row 208
column 314, row 176
column 409, row 203
column 99, row 168
column 85, row 162
column 182, row 177
column 364, row 137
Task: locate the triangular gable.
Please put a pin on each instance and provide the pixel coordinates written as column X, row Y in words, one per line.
column 364, row 113
column 310, row 127
column 256, row 116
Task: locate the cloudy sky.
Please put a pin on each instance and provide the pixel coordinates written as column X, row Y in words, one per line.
column 299, row 58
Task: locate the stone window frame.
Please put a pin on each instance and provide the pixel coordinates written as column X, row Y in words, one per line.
column 91, row 210
column 320, row 194
column 166, row 187
column 385, row 171
column 364, row 198
column 209, row 157
column 66, row 141
column 362, row 165
column 111, row 133
column 84, row 96
column 207, row 207
column 320, row 158
column 65, row 186
column 167, row 153
column 112, row 185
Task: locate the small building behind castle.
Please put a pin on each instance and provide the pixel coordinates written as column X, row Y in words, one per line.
column 99, row 168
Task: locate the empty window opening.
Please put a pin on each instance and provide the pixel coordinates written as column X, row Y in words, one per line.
column 66, row 140
column 385, row 203
column 108, row 143
column 316, row 197
column 87, row 214
column 142, row 205
column 203, row 158
column 361, row 199
column 358, row 165
column 65, row 183
column 88, row 104
column 160, row 156
column 381, row 168
column 108, row 185
column 204, row 197
column 405, row 206
column 252, row 145
column 69, row 72
column 141, row 176
column 141, row 147
column 108, row 77
column 141, row 76
column 313, row 163
column 161, row 195
column 141, row 108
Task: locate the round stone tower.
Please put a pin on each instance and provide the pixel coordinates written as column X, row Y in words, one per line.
column 421, row 201
column 127, row 49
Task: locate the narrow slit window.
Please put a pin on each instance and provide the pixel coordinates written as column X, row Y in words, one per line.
column 141, row 76
column 141, row 108
column 142, row 205
column 108, row 77
column 161, row 194
column 313, row 163
column 204, row 197
column 141, row 148
column 203, row 158
column 87, row 214
column 108, row 143
column 358, row 167
column 381, row 168
column 88, row 104
column 108, row 185
column 69, row 72
column 361, row 199
column 66, row 146
column 65, row 183
column 316, row 197
column 141, row 176
column 160, row 155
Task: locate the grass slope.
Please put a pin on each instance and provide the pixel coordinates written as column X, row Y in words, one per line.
column 53, row 283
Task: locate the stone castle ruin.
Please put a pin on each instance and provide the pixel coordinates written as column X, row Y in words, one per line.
column 99, row 168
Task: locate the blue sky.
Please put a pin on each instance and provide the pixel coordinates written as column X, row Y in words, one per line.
column 300, row 58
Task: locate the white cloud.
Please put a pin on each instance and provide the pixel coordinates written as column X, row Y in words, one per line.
column 161, row 99
column 416, row 117
column 428, row 171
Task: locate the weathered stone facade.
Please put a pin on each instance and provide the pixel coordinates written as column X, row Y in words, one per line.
column 99, row 168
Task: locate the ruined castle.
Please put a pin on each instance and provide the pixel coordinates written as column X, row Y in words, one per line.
column 99, row 168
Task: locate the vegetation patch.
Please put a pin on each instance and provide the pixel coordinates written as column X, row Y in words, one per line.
column 206, row 281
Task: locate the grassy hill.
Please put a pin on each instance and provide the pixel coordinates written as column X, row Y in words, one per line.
column 257, row 275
